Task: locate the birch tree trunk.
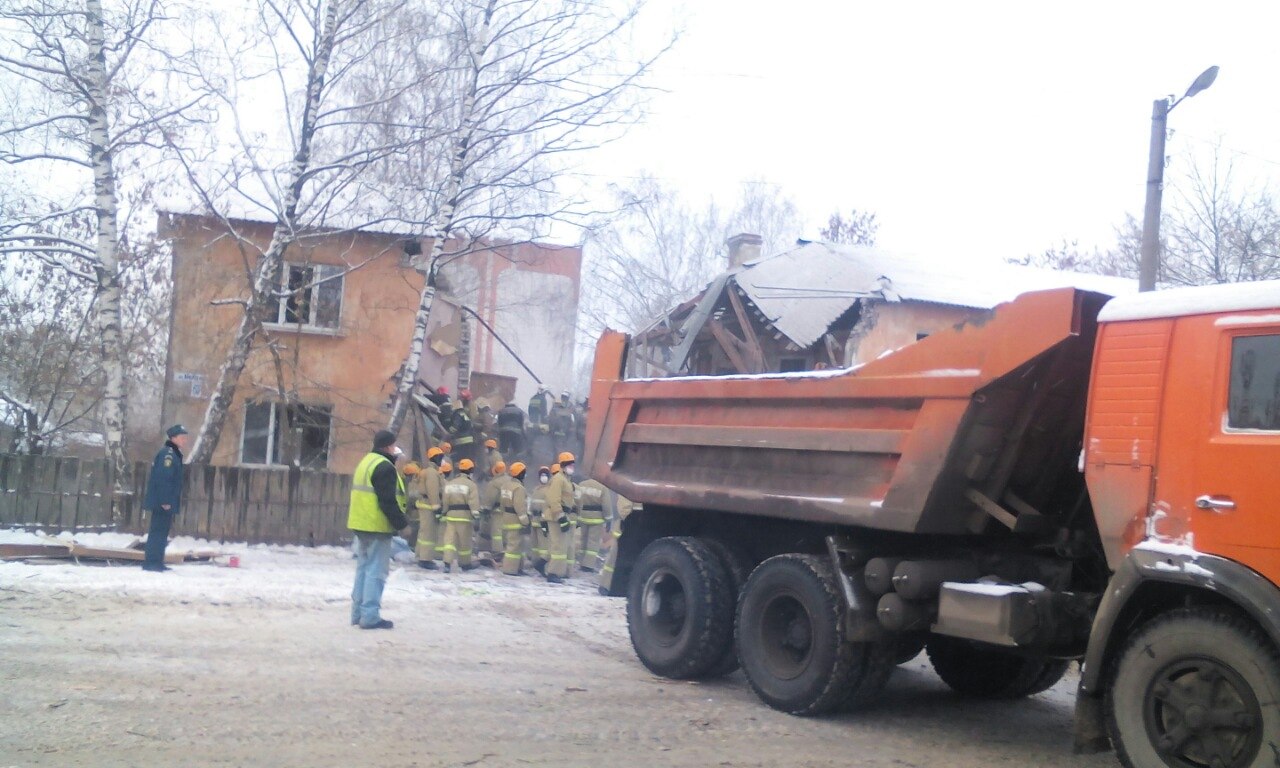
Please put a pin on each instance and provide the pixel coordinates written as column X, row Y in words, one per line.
column 443, row 224
column 282, row 237
column 464, row 352
column 107, row 271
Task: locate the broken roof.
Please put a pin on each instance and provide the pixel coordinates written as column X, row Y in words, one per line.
column 804, row 290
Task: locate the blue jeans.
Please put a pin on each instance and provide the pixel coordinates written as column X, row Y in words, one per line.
column 373, row 562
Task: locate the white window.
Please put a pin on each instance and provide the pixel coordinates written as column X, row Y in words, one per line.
column 310, row 296
column 286, row 434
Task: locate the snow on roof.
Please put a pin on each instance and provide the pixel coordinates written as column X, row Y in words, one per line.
column 804, row 290
column 1198, row 300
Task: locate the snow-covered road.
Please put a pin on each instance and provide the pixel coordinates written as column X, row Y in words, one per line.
column 257, row 666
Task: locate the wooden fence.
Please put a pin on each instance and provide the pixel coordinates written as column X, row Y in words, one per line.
column 273, row 506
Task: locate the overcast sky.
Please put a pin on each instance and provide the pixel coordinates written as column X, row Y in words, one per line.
column 974, row 130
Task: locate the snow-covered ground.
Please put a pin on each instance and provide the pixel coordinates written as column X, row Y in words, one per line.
column 258, row 666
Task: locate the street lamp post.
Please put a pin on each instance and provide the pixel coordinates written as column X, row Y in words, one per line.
column 1160, row 110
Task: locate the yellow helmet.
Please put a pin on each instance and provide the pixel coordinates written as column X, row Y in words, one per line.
column 555, row 469
column 433, row 452
column 517, row 469
column 499, row 468
column 446, row 467
column 412, row 468
column 466, row 465
column 565, row 458
column 491, row 443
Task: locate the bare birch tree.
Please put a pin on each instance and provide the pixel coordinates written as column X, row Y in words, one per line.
column 534, row 82
column 311, row 55
column 77, row 83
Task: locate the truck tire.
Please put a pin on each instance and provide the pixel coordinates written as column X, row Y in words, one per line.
column 987, row 672
column 791, row 640
column 735, row 565
column 679, row 608
column 1197, row 686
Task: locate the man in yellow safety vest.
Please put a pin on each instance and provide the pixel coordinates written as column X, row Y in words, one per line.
column 375, row 514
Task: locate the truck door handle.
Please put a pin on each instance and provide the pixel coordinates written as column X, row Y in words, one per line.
column 1214, row 503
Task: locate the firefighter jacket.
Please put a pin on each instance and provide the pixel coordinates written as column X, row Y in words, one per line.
column 592, row 497
column 559, row 498
column 425, row 488
column 461, row 499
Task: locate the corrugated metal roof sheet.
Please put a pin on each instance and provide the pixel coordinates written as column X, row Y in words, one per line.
column 804, row 290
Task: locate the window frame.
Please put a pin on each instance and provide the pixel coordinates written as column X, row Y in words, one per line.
column 273, row 436
column 280, row 321
column 1261, row 330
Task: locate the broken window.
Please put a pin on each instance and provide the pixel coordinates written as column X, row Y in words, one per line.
column 309, row 295
column 286, row 434
column 1255, row 383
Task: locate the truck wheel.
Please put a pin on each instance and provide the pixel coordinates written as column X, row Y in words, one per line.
column 988, row 672
column 679, row 608
column 791, row 640
column 735, row 565
column 1196, row 687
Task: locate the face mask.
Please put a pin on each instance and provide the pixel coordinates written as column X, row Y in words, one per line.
column 568, row 471
column 397, row 452
column 544, row 479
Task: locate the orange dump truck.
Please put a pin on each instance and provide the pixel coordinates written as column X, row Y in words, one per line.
column 1073, row 478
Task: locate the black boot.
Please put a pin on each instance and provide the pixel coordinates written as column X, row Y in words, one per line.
column 448, row 568
column 554, row 579
column 429, row 565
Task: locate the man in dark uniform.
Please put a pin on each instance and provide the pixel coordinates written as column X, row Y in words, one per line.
column 164, row 496
column 511, row 430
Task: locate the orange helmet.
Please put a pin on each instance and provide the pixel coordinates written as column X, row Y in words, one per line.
column 517, row 469
column 565, row 458
column 555, row 469
column 466, row 465
column 412, row 468
column 446, row 467
column 499, row 468
column 446, row 447
column 433, row 452
column 491, row 443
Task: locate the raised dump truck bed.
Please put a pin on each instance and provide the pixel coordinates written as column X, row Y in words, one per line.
column 974, row 427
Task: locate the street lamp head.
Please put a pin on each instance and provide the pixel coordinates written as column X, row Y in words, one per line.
column 1202, row 82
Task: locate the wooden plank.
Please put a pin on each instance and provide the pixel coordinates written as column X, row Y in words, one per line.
column 991, row 508
column 754, row 351
column 730, row 344
column 24, row 551
column 8, row 493
column 68, row 493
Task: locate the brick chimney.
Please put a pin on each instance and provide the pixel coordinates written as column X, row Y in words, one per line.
column 743, row 247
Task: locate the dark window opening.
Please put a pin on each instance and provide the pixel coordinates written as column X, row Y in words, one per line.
column 1255, row 383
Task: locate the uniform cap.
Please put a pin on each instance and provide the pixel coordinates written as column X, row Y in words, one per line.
column 499, row 468
column 175, row 430
column 517, row 469
column 491, row 443
column 565, row 458
column 466, row 465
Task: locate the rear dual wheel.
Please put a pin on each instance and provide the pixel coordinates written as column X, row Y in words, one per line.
column 791, row 640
